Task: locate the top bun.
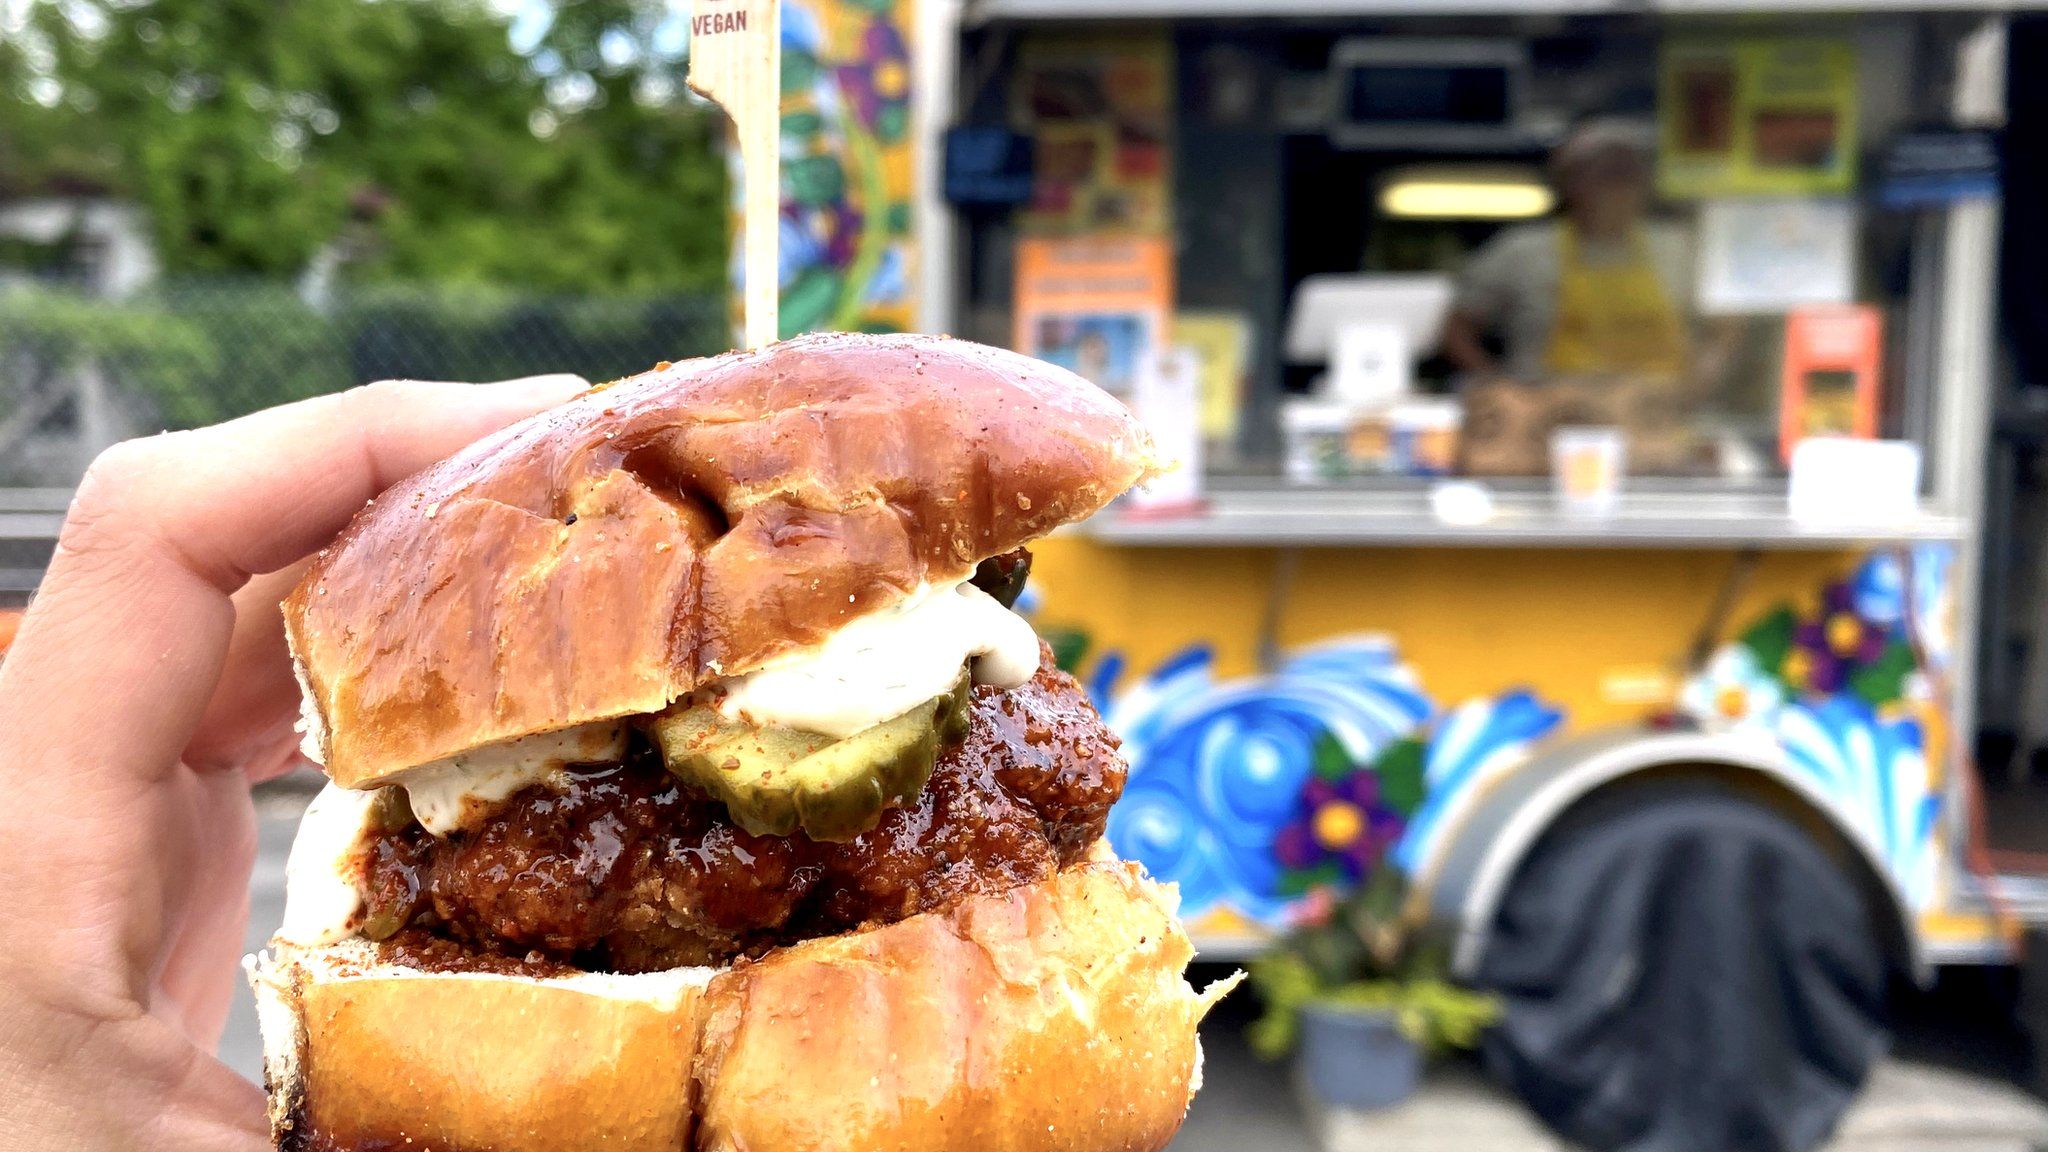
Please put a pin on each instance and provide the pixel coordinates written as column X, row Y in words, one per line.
column 611, row 554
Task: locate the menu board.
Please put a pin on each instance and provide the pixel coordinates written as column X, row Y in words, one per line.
column 1757, row 117
column 1100, row 112
column 1099, row 306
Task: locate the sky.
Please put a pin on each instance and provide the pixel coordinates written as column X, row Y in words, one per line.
column 530, row 20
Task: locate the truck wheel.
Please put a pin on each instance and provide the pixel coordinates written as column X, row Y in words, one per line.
column 1685, row 970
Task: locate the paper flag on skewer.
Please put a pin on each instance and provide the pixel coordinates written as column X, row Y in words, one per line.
column 736, row 61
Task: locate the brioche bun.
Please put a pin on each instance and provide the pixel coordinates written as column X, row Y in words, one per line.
column 1050, row 1017
column 606, row 557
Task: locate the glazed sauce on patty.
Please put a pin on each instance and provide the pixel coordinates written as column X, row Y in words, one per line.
column 626, row 869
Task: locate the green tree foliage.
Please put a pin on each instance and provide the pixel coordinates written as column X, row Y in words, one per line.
column 644, row 160
column 255, row 132
column 41, row 144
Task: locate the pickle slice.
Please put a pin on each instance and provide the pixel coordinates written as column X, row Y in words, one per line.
column 775, row 781
column 699, row 742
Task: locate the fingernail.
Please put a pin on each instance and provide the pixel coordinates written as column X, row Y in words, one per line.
column 541, row 391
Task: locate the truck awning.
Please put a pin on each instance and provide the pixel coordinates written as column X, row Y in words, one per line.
column 984, row 11
column 987, row 11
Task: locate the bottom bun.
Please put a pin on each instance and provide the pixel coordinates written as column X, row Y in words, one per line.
column 1053, row 1016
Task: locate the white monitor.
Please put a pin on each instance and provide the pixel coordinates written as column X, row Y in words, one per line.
column 1415, row 303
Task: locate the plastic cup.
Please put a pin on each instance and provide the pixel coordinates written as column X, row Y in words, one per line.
column 1586, row 465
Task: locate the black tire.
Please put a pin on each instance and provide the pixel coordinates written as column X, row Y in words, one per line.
column 1686, row 970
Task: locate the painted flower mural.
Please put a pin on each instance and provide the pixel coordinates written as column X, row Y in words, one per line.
column 847, row 166
column 1259, row 795
column 1734, row 690
column 1918, row 582
column 1264, row 796
column 1864, row 639
column 1841, row 689
column 1841, row 645
column 1349, row 816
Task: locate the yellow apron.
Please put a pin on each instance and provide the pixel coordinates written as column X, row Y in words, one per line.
column 1614, row 318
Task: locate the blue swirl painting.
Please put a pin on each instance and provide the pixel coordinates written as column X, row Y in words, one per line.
column 1873, row 769
column 1221, row 771
column 1478, row 741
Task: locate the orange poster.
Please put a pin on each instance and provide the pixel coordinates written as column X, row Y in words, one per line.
column 1830, row 384
column 1096, row 305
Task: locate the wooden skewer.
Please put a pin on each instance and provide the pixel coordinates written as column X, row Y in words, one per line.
column 736, row 62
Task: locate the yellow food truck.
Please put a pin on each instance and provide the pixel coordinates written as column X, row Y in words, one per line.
column 1584, row 411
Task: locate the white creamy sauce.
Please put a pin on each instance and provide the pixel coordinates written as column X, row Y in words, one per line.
column 312, row 733
column 879, row 666
column 320, row 896
column 444, row 793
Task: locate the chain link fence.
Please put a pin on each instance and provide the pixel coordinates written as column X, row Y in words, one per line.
column 78, row 372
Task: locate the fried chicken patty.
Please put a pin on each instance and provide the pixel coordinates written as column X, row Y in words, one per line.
column 626, row 869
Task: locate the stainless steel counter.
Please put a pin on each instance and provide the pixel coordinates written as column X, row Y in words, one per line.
column 1306, row 517
column 30, row 519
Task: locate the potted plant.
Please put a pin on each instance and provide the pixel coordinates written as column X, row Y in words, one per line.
column 1360, row 1002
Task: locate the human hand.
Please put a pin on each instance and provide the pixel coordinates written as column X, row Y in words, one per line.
column 148, row 688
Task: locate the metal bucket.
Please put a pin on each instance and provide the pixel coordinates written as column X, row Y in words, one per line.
column 1355, row 1059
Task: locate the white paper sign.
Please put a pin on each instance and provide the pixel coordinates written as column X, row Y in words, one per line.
column 1775, row 255
column 1837, row 481
column 1168, row 401
column 1371, row 364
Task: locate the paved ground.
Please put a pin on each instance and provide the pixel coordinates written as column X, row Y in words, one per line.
column 1907, row 1107
column 1911, row 1105
column 1246, row 1104
column 1916, row 1104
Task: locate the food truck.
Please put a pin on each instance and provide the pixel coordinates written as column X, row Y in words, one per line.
column 1581, row 411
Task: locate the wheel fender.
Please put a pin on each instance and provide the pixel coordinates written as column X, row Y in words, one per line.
column 1465, row 874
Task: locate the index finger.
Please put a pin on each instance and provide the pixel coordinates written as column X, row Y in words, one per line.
column 120, row 651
